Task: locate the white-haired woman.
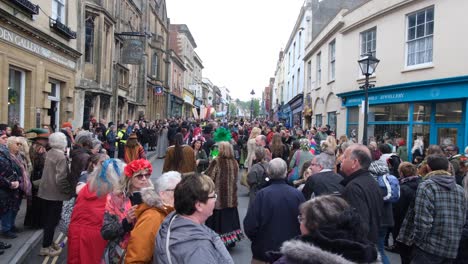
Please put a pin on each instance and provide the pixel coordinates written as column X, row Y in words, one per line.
column 54, row 189
column 119, row 214
column 158, row 202
column 85, row 243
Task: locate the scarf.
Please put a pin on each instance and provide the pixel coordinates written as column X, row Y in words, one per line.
column 21, row 164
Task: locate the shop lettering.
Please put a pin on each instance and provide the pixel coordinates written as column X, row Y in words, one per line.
column 33, row 47
column 392, row 96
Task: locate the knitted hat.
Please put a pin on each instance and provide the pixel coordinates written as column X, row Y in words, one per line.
column 67, row 124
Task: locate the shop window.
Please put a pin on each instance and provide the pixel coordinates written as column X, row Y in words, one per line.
column 421, row 131
column 353, row 122
column 318, row 120
column 332, row 120
column 16, row 87
column 393, row 112
column 420, row 34
column 422, row 112
column 450, row 112
column 382, row 133
column 89, row 38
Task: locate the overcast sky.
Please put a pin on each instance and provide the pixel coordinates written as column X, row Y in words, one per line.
column 238, row 41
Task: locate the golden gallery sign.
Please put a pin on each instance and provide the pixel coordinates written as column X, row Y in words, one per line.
column 37, row 49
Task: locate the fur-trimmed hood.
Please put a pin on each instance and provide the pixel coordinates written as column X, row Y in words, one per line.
column 296, row 251
column 152, row 200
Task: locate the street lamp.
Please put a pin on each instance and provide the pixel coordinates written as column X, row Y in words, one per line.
column 251, row 105
column 367, row 63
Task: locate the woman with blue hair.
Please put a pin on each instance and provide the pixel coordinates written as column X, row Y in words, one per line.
column 85, row 243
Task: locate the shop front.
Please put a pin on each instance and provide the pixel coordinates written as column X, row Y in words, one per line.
column 188, row 104
column 434, row 110
column 284, row 115
column 296, row 110
column 176, row 106
column 37, row 79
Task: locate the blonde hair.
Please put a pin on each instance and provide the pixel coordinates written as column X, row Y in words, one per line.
column 225, row 150
column 255, row 132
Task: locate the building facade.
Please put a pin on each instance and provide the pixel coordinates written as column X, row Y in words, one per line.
column 38, row 62
column 419, row 87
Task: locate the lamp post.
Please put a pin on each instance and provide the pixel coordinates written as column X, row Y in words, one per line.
column 251, row 105
column 367, row 63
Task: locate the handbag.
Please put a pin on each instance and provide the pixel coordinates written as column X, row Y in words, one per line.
column 294, row 173
column 65, row 218
column 243, row 180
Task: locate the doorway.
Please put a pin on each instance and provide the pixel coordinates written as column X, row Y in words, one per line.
column 54, row 111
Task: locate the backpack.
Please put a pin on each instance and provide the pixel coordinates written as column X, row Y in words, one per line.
column 393, row 163
column 264, row 181
column 391, row 187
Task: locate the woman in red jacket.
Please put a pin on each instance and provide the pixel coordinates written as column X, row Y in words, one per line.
column 85, row 243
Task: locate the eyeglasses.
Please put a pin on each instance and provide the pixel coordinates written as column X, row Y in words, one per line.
column 170, row 190
column 215, row 196
column 314, row 164
column 19, row 144
column 300, row 219
column 141, row 176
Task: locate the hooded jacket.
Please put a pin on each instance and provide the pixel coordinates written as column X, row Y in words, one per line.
column 150, row 214
column 189, row 242
column 380, row 168
column 79, row 159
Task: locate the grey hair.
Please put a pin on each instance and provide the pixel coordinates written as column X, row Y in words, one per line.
column 58, row 140
column 166, row 181
column 83, row 136
column 259, row 153
column 105, row 182
column 325, row 160
column 277, row 169
column 96, row 142
column 345, row 145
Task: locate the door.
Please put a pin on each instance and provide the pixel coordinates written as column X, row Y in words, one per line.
column 448, row 134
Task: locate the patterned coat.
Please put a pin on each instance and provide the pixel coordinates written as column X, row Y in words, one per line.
column 9, row 199
column 224, row 173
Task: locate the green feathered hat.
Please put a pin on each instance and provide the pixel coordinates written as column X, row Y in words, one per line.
column 222, row 134
column 41, row 133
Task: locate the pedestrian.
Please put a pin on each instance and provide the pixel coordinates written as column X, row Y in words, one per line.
column 299, row 158
column 418, row 151
column 258, row 173
column 133, row 149
column 85, row 243
column 55, row 187
column 179, row 157
column 331, row 232
column 158, row 202
column 121, row 138
column 201, row 158
column 119, row 213
column 268, row 228
column 111, row 139
column 79, row 155
column 409, row 182
column 278, row 149
column 223, row 170
column 183, row 238
column 435, row 224
column 37, row 155
column 163, row 142
column 251, row 146
column 323, row 179
column 361, row 190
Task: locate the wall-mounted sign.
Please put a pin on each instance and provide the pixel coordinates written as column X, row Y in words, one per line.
column 37, row 49
column 132, row 52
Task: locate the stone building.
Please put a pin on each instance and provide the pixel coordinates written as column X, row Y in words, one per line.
column 38, row 62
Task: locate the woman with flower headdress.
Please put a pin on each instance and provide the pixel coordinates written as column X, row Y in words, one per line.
column 201, row 159
column 85, row 243
column 224, row 171
column 119, row 214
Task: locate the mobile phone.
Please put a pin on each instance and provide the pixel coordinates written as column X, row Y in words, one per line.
column 135, row 198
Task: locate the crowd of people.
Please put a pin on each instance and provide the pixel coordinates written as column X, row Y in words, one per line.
column 313, row 197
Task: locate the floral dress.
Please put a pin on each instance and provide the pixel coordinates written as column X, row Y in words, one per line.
column 115, row 227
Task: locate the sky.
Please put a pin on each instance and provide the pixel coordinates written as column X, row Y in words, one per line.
column 238, row 41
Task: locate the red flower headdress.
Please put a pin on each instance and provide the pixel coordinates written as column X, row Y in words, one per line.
column 137, row 165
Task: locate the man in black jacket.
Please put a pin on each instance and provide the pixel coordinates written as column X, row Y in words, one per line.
column 323, row 179
column 361, row 190
column 272, row 218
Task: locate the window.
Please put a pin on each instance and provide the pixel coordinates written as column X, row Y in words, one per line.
column 319, row 69
column 16, row 87
column 353, row 122
column 298, row 79
column 299, row 45
column 332, row 120
column 293, row 87
column 419, row 37
column 294, row 52
column 154, row 65
column 389, row 112
column 289, row 61
column 449, row 112
column 58, row 10
column 368, row 41
column 89, row 38
column 309, row 75
column 318, row 120
column 332, row 49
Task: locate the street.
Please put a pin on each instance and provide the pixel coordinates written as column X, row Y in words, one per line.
column 240, row 253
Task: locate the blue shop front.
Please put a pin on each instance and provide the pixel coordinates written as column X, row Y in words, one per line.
column 434, row 110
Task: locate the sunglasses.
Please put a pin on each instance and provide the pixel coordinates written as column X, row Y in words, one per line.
column 141, row 176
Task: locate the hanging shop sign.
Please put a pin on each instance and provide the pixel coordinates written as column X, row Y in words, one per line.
column 133, row 47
